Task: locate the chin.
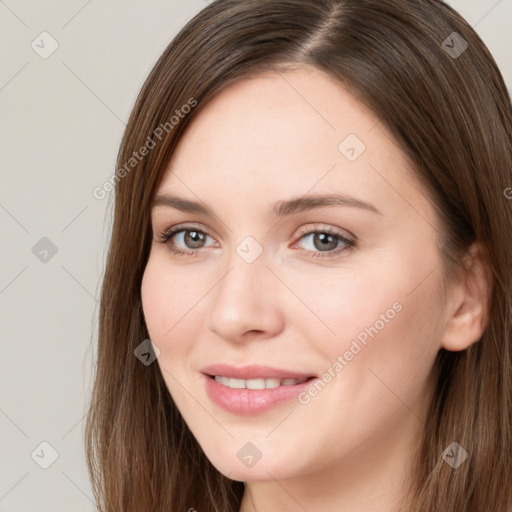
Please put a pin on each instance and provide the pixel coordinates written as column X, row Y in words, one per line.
column 246, row 464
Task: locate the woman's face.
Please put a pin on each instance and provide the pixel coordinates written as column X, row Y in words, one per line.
column 308, row 252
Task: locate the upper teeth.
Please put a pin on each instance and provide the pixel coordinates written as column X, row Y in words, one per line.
column 257, row 383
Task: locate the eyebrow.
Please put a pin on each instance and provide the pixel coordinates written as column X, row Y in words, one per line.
column 280, row 209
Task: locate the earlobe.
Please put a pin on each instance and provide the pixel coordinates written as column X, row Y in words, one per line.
column 469, row 314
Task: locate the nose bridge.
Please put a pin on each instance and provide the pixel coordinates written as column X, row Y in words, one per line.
column 242, row 300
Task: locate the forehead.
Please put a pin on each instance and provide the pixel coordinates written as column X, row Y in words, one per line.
column 277, row 110
column 285, row 134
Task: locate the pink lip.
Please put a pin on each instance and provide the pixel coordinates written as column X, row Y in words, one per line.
column 252, row 371
column 250, row 401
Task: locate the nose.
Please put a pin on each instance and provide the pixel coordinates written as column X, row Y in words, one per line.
column 247, row 302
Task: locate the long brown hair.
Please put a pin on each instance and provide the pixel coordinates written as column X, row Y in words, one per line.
column 446, row 104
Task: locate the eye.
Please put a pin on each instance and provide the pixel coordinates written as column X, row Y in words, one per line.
column 326, row 242
column 189, row 237
column 323, row 242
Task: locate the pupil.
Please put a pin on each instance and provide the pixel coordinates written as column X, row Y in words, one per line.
column 194, row 237
column 325, row 239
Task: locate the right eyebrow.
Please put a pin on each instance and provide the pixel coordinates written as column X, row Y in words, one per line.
column 185, row 205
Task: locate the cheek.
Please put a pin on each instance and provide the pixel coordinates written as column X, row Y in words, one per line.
column 383, row 322
column 155, row 301
column 165, row 302
column 167, row 299
column 389, row 349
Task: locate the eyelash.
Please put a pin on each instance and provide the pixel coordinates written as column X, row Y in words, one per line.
column 166, row 236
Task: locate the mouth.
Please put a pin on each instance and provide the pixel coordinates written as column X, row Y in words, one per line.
column 253, row 389
column 256, row 395
column 260, row 383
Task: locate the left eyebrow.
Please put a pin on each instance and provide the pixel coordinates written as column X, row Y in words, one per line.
column 280, row 209
column 310, row 202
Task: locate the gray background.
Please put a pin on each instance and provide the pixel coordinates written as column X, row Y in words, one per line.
column 61, row 122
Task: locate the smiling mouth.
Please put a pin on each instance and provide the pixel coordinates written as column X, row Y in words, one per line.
column 267, row 383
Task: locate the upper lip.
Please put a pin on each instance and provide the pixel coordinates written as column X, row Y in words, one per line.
column 252, row 371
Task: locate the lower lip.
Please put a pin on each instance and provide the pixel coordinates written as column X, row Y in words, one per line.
column 251, row 401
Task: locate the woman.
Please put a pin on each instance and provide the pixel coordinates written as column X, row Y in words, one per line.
column 312, row 227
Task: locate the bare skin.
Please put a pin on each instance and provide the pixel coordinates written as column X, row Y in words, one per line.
column 350, row 446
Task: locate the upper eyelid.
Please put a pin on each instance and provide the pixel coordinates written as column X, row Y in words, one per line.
column 314, row 227
column 188, row 227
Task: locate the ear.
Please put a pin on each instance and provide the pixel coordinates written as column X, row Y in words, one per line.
column 469, row 311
